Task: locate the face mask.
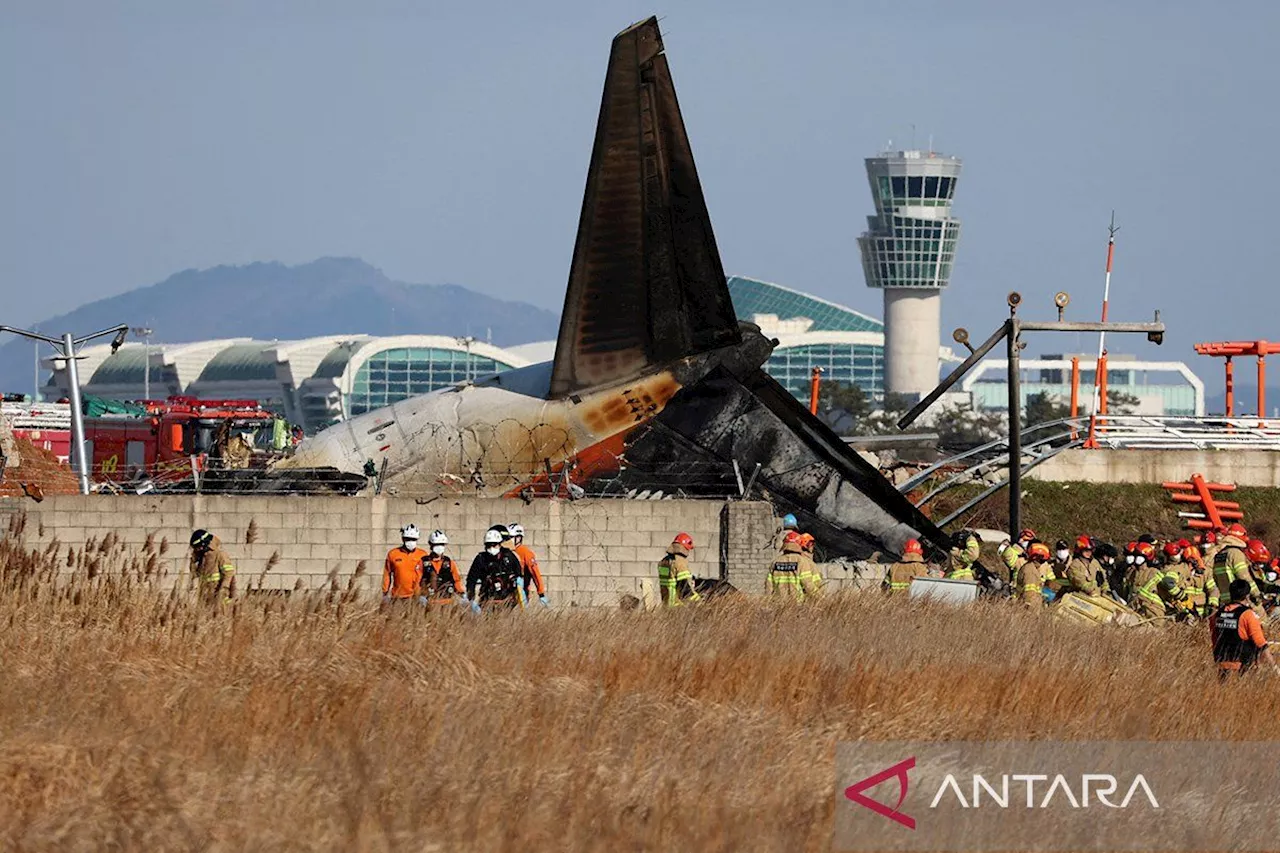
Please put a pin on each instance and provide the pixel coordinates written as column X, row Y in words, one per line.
column 1139, row 559
column 1128, row 558
column 410, row 544
column 437, row 549
column 493, row 550
column 1062, row 555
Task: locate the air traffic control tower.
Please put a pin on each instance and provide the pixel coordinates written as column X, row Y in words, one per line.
column 907, row 252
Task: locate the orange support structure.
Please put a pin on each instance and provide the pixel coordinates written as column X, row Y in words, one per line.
column 814, row 383
column 1216, row 513
column 1231, row 388
column 1230, row 349
column 1102, row 384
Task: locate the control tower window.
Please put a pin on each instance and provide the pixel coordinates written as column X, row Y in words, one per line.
column 899, row 187
column 915, row 187
column 944, row 188
column 931, row 187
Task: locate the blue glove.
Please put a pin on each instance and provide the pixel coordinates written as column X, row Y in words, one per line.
column 542, row 599
column 386, row 599
column 422, row 599
column 475, row 607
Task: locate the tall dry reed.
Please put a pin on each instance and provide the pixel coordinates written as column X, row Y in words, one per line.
column 135, row 719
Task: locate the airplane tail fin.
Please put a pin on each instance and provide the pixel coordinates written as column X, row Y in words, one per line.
column 646, row 285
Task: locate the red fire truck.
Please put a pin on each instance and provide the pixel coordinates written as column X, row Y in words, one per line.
column 170, row 440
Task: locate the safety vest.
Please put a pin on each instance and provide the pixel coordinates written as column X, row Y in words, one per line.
column 672, row 572
column 445, row 576
column 784, row 576
column 1230, row 564
column 1230, row 651
column 962, row 560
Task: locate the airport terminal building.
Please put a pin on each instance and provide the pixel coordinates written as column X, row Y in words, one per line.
column 320, row 381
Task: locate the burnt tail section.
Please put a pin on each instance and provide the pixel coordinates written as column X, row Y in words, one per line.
column 646, row 285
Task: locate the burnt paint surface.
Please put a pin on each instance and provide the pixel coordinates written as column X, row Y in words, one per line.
column 805, row 468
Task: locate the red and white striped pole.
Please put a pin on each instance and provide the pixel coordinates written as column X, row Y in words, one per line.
column 1102, row 336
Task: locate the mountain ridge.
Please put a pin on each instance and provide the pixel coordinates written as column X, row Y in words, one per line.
column 269, row 300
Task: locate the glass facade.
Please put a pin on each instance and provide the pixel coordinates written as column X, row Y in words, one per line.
column 751, row 296
column 911, row 241
column 851, row 364
column 393, row 375
column 1176, row 400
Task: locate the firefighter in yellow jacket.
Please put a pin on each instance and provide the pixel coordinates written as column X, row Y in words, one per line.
column 810, row 580
column 212, row 567
column 911, row 566
column 1230, row 562
column 675, row 581
column 786, row 570
column 965, row 549
column 1033, row 571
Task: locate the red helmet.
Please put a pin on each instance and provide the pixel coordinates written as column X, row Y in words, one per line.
column 1026, row 535
column 1237, row 530
column 913, row 546
column 792, row 538
column 1146, row 549
column 1257, row 552
column 1172, row 549
column 683, row 539
column 1084, row 543
column 1039, row 550
column 1184, row 544
column 1131, row 547
column 806, row 541
column 1210, row 538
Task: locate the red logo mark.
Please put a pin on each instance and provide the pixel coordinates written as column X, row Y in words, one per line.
column 854, row 792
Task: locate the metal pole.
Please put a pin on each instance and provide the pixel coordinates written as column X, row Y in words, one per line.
column 77, row 413
column 814, row 384
column 146, row 368
column 35, row 381
column 1231, row 388
column 1262, row 382
column 1015, row 425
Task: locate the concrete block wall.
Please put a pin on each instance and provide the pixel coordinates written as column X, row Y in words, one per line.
column 750, row 543
column 1242, row 467
column 592, row 552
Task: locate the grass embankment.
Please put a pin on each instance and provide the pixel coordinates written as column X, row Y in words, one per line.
column 1114, row 512
column 137, row 719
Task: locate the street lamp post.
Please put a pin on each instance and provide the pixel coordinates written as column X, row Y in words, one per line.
column 144, row 333
column 66, row 348
column 1011, row 331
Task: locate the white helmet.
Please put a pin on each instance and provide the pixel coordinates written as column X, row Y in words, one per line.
column 410, row 531
column 492, row 537
column 515, row 529
column 437, row 537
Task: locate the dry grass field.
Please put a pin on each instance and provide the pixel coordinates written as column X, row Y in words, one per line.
column 135, row 719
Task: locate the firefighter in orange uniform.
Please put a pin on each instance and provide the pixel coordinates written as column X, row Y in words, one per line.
column 533, row 581
column 1236, row 633
column 402, row 572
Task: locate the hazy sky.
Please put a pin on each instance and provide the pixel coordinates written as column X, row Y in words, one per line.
column 448, row 142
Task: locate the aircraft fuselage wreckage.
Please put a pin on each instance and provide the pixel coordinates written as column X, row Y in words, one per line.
column 655, row 384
